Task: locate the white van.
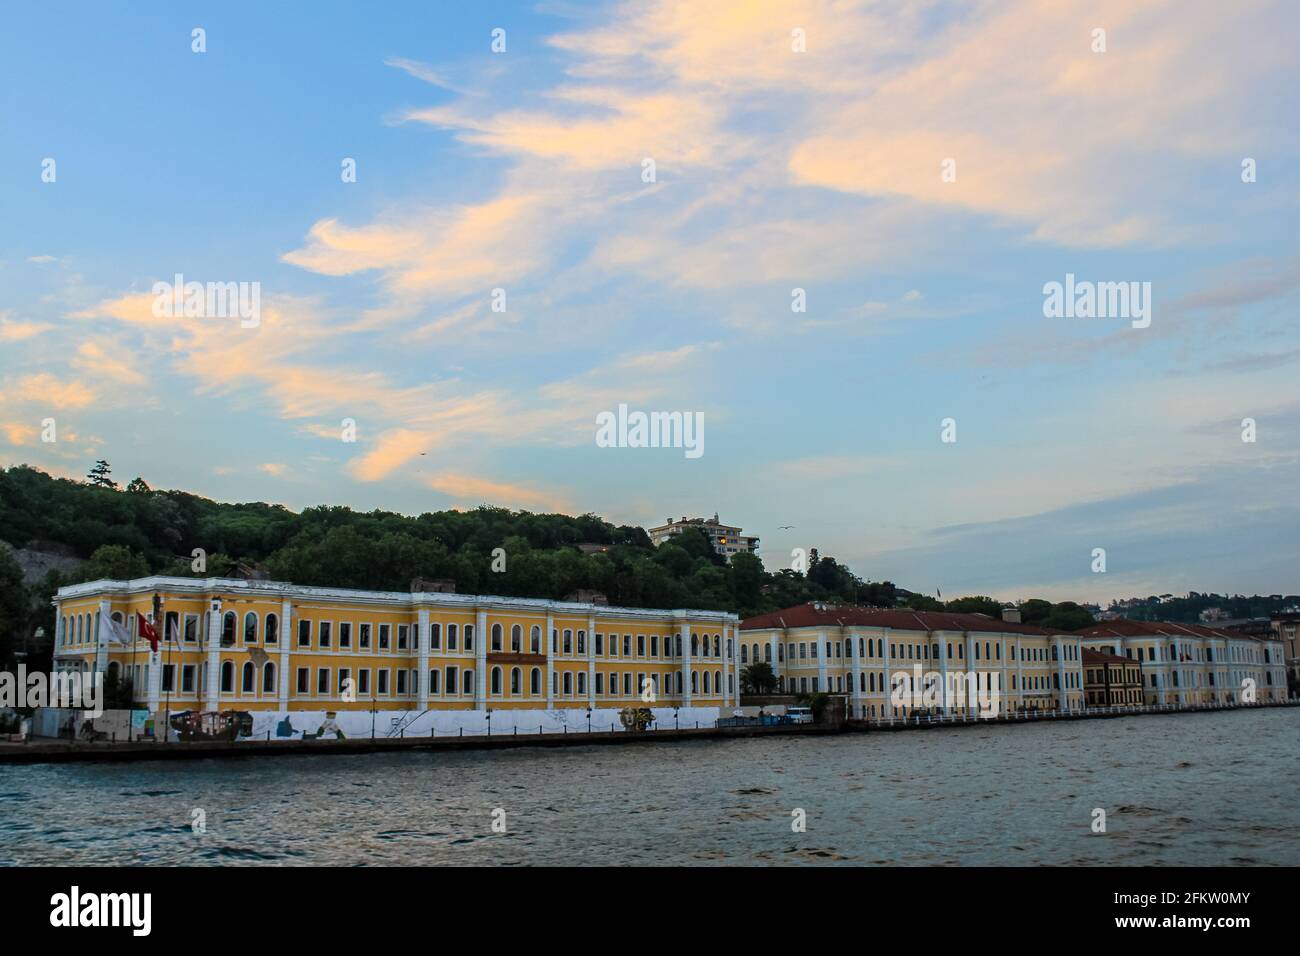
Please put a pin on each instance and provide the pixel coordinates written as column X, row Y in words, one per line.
column 800, row 715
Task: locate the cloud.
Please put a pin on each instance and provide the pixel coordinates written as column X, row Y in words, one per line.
column 472, row 491
column 17, row 433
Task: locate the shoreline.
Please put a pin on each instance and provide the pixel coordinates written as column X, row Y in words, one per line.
column 56, row 751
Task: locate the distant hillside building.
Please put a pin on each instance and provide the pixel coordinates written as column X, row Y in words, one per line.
column 726, row 539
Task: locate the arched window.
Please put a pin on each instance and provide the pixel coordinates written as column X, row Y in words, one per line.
column 250, row 627
column 744, row 653
column 271, row 633
column 695, row 682
column 117, row 616
column 717, row 645
column 536, row 640
column 717, row 682
column 268, row 678
column 228, row 629
column 227, row 675
column 247, row 678
column 496, row 637
column 516, row 638
column 695, row 645
column 516, row 678
column 582, row 642
column 496, row 676
column 535, row 680
column 113, row 669
column 706, row 682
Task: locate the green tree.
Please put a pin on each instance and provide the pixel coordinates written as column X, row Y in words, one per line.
column 758, row 678
column 99, row 475
column 112, row 561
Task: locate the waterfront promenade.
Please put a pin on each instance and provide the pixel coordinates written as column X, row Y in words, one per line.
column 51, row 750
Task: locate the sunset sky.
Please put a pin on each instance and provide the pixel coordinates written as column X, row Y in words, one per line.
column 775, row 170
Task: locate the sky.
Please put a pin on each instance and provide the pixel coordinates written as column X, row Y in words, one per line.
column 624, row 204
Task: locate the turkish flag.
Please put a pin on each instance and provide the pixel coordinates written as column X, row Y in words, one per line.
column 146, row 631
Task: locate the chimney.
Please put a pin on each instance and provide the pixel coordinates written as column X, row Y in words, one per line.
column 433, row 586
column 1011, row 614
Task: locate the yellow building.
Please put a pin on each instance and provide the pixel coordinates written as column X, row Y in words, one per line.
column 265, row 645
column 889, row 662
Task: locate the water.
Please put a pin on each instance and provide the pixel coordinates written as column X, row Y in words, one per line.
column 1192, row 789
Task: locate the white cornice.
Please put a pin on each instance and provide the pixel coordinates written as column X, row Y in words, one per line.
column 283, row 590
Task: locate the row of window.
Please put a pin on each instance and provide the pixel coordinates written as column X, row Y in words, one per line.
column 442, row 681
column 402, row 637
column 870, row 648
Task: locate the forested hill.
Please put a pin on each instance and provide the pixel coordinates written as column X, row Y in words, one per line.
column 137, row 531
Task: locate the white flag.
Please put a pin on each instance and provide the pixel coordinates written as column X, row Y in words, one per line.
column 114, row 631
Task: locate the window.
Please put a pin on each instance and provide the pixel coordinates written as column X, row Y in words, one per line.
column 169, row 678
column 568, row 684
column 582, row 683
column 568, row 641
column 433, row 680
column 304, row 633
column 600, row 683
column 654, row 645
column 187, row 679
column 385, row 635
column 248, row 678
column 192, row 628
column 582, row 642
column 496, row 671
column 363, row 682
column 535, row 681
column 516, row 639
column 627, row 645
column 516, row 681
column 250, row 627
column 451, row 678
column 268, row 678
column 403, row 636
column 345, row 635
column 227, row 677
column 401, row 682
column 345, row 681
column 467, row 677
column 535, row 639
column 640, row 645
column 325, row 633
column 496, row 641
column 469, row 637
column 382, row 679
column 600, row 644
column 322, row 680
column 435, row 636
column 363, row 636
column 451, row 638
column 228, row 629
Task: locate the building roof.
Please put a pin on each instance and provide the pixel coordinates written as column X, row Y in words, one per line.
column 1102, row 657
column 818, row 614
column 1123, row 627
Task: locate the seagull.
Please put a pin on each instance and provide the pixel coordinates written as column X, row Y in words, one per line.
column 785, row 527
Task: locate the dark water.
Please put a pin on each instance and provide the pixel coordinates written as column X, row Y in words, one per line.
column 1197, row 789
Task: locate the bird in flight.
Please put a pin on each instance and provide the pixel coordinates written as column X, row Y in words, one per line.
column 785, row 527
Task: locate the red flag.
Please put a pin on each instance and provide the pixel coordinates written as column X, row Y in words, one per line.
column 146, row 631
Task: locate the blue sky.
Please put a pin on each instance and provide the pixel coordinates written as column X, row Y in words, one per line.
column 775, row 169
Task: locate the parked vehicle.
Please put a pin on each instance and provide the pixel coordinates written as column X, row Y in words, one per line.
column 799, row 715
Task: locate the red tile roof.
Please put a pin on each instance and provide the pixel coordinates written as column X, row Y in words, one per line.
column 831, row 615
column 1101, row 657
column 1123, row 627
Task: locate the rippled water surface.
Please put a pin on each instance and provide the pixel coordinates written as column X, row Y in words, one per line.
column 1197, row 789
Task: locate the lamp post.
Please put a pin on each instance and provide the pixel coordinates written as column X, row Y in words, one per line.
column 489, row 720
column 374, row 706
column 588, row 720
